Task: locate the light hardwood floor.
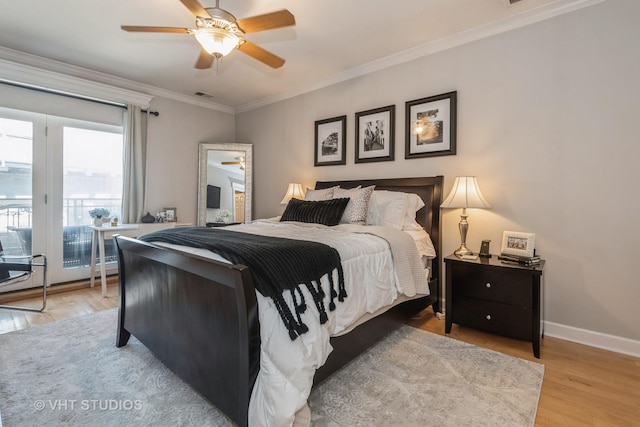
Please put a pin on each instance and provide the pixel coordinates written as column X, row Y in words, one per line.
column 583, row 386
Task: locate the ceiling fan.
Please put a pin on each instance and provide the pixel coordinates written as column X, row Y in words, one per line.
column 219, row 32
column 240, row 161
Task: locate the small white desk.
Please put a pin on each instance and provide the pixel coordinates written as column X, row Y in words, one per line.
column 130, row 230
column 99, row 234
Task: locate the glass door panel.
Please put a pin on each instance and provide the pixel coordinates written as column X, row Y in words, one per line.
column 21, row 229
column 91, row 178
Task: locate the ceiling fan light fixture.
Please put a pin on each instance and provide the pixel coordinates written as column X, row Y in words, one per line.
column 216, row 41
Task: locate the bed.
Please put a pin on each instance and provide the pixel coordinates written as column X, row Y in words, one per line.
column 200, row 316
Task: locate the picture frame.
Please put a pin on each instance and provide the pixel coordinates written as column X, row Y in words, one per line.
column 330, row 141
column 518, row 244
column 375, row 135
column 170, row 214
column 438, row 134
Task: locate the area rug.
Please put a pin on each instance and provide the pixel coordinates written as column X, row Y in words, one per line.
column 70, row 373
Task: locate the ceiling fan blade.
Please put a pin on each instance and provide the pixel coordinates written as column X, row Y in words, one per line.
column 231, row 163
column 268, row 21
column 261, row 55
column 135, row 28
column 195, row 8
column 205, row 59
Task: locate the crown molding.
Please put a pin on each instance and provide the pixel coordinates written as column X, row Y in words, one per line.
column 26, row 75
column 24, row 68
column 477, row 33
column 31, row 70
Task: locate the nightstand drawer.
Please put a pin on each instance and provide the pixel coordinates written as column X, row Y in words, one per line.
column 497, row 285
column 510, row 321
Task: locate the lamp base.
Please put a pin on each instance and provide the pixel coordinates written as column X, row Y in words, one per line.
column 462, row 250
column 463, row 226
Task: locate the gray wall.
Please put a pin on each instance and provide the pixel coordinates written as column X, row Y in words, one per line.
column 172, row 153
column 547, row 121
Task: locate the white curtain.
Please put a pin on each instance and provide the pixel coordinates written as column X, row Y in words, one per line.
column 135, row 165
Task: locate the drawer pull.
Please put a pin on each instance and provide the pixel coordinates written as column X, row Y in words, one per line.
column 487, row 285
column 488, row 317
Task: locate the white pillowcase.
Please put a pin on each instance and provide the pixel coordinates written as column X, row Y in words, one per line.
column 387, row 208
column 317, row 195
column 356, row 211
column 395, row 209
column 414, row 204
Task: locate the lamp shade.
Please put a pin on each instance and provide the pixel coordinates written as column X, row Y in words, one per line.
column 294, row 191
column 216, row 41
column 465, row 194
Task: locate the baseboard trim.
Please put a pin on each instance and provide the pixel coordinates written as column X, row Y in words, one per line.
column 57, row 288
column 593, row 339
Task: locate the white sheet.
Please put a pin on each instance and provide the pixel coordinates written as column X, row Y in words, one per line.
column 287, row 367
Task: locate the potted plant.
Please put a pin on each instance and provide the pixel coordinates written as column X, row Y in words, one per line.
column 99, row 215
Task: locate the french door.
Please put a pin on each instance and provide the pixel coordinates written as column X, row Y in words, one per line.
column 54, row 170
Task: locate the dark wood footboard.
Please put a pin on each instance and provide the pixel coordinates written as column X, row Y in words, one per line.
column 197, row 315
column 200, row 318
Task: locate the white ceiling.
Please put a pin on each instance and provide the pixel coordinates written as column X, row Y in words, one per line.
column 332, row 40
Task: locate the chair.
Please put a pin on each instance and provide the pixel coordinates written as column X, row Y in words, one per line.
column 17, row 268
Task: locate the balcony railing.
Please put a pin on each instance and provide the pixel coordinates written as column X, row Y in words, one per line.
column 16, row 228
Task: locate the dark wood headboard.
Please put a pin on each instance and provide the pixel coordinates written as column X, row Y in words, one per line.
column 428, row 188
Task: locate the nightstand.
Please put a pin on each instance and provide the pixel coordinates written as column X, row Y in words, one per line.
column 501, row 298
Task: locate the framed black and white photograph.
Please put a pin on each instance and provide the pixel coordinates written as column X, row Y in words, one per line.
column 170, row 215
column 331, row 141
column 375, row 134
column 430, row 126
column 518, row 244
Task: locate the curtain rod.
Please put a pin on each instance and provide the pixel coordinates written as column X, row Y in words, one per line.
column 65, row 94
column 73, row 96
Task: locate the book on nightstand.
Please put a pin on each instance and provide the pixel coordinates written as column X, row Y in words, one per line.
column 526, row 261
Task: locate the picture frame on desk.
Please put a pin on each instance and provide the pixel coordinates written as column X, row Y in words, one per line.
column 518, row 244
column 170, row 214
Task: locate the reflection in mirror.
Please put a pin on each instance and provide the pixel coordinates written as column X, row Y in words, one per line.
column 224, row 183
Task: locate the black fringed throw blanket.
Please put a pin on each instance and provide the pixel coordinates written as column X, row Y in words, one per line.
column 276, row 264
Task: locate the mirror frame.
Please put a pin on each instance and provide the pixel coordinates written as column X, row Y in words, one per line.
column 203, row 151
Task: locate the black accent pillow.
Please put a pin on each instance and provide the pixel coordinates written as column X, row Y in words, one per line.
column 326, row 212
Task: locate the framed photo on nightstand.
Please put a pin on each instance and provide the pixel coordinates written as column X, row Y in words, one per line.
column 518, row 244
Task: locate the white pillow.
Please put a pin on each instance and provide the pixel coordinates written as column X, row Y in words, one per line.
column 317, row 195
column 387, row 208
column 414, row 204
column 423, row 243
column 356, row 211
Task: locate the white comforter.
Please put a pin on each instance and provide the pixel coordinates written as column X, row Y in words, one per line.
column 371, row 281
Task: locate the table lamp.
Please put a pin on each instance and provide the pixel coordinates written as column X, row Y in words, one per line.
column 294, row 191
column 464, row 194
